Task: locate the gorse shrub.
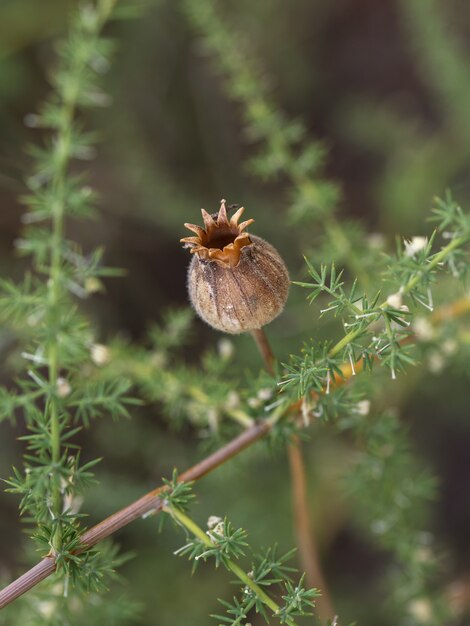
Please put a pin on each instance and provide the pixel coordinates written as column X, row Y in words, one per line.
column 390, row 311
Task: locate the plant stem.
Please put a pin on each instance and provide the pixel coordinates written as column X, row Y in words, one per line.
column 197, row 531
column 308, row 551
column 264, row 347
column 55, row 287
column 63, row 155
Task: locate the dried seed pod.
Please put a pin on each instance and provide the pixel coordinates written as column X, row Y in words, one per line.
column 237, row 282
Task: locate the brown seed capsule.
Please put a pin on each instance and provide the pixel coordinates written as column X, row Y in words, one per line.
column 237, row 282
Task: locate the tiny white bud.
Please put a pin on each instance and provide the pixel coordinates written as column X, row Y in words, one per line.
column 213, row 521
column 363, row 407
column 421, row 610
column 415, row 245
column 226, row 349
column 100, row 354
column 423, row 329
column 376, row 241
column 306, row 409
column 72, row 504
column 63, row 387
column 423, row 554
column 449, row 346
column 265, row 394
column 216, row 532
column 93, row 285
column 394, row 300
column 436, row 363
column 233, row 400
column 47, row 608
column 213, row 419
column 158, row 360
column 32, row 320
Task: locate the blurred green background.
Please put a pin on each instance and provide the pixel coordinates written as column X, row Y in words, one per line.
column 387, row 86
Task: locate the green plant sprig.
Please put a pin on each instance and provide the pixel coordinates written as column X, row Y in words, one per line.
column 383, row 324
column 226, row 544
column 56, row 341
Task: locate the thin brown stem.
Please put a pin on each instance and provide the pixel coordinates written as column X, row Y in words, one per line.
column 265, row 349
column 308, row 551
column 149, row 503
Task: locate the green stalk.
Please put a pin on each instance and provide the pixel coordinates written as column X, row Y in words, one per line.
column 193, row 528
column 58, row 184
column 342, row 343
column 63, row 157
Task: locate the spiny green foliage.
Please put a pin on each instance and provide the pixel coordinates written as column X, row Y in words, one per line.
column 55, row 604
column 268, row 575
column 377, row 329
column 179, row 494
column 227, row 543
column 52, row 394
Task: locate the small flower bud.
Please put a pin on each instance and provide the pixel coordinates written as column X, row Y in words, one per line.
column 449, row 346
column 376, row 241
column 394, row 300
column 213, row 521
column 415, row 245
column 100, row 354
column 63, row 387
column 363, row 407
column 233, row 400
column 93, row 285
column 423, row 329
column 421, row 610
column 436, row 362
column 265, row 394
column 225, row 349
column 237, row 282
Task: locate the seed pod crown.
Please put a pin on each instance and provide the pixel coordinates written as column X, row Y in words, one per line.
column 237, row 282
